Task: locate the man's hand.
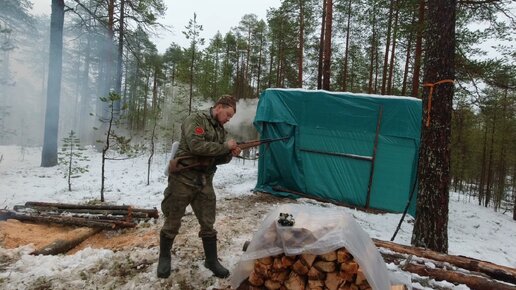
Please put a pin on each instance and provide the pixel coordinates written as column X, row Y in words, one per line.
column 236, row 151
column 231, row 144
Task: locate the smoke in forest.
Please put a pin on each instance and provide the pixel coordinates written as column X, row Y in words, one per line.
column 241, row 125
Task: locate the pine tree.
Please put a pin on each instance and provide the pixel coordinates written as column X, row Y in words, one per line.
column 70, row 157
column 113, row 143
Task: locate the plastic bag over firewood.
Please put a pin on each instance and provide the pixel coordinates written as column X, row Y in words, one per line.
column 317, row 230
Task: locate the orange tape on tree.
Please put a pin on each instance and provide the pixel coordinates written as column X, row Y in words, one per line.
column 429, row 107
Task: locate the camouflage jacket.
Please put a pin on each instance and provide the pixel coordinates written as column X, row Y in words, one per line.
column 203, row 138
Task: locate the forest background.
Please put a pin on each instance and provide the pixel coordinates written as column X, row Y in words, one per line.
column 369, row 46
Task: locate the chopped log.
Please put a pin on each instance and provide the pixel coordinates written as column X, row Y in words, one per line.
column 295, row 282
column 308, row 259
column 287, row 261
column 150, row 212
column 280, row 276
column 495, row 271
column 262, row 270
column 472, row 281
column 71, row 221
column 329, row 257
column 300, row 268
column 326, row 267
column 272, row 285
column 77, row 236
column 315, row 274
column 343, row 255
column 333, row 281
column 315, row 285
column 255, row 279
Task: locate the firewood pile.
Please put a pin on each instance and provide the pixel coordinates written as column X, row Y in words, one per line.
column 336, row 270
column 93, row 216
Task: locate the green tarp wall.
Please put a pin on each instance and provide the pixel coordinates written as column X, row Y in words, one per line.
column 329, row 153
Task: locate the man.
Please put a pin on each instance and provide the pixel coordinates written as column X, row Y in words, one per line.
column 203, row 146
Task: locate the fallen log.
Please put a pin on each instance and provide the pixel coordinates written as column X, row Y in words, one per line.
column 104, row 212
column 64, row 220
column 472, row 281
column 77, row 236
column 150, row 212
column 495, row 271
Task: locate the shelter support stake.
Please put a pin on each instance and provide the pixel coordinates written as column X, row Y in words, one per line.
column 375, row 146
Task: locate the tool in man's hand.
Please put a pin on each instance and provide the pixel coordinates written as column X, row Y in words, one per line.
column 176, row 166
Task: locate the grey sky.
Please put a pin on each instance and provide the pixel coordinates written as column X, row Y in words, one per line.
column 213, row 15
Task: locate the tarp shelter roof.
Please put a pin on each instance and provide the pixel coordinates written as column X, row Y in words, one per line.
column 331, row 153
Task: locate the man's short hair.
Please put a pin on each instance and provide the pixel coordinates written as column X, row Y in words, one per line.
column 228, row 101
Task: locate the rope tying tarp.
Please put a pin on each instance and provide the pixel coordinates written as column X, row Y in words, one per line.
column 429, row 107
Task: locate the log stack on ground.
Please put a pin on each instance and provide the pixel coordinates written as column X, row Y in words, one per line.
column 94, row 216
column 336, row 270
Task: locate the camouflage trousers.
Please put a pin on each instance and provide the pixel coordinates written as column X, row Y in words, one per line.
column 194, row 189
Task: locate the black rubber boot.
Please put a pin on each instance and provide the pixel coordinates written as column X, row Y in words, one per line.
column 165, row 258
column 212, row 261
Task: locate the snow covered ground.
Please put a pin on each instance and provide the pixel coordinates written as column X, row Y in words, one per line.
column 474, row 231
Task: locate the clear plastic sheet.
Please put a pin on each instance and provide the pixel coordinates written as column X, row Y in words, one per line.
column 316, row 230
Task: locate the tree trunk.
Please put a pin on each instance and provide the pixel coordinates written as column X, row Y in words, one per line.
column 431, row 224
column 373, row 54
column 390, row 78
column 407, row 57
column 49, row 151
column 259, row 72
column 490, row 173
column 418, row 52
column 346, row 51
column 321, row 47
column 482, row 182
column 327, row 45
column 84, row 120
column 118, row 83
column 387, row 47
column 300, row 50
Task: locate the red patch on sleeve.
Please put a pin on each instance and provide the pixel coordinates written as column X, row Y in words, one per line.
column 199, row 131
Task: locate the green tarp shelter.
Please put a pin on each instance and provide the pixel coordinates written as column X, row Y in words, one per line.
column 355, row 149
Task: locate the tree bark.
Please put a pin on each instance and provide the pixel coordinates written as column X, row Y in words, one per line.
column 321, row 47
column 390, row 77
column 473, row 282
column 49, row 151
column 346, row 51
column 373, row 50
column 120, row 54
column 387, row 46
column 431, row 224
column 407, row 57
column 418, row 51
column 300, row 51
column 70, row 221
column 37, row 204
column 327, row 45
column 489, row 182
column 495, row 271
